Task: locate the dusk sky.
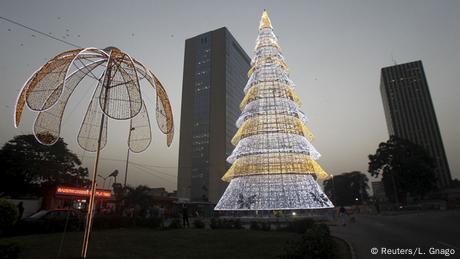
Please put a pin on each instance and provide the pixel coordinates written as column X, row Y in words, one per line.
column 334, row 49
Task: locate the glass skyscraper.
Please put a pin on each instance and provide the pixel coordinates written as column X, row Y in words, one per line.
column 215, row 73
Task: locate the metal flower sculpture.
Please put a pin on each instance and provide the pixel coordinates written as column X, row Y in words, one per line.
column 117, row 95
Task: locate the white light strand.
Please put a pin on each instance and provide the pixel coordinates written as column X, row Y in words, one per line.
column 273, row 162
column 273, row 192
column 273, row 143
column 268, row 75
column 270, row 106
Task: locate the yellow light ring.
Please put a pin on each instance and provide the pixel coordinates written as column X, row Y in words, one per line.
column 251, row 70
column 274, row 163
column 273, row 43
column 306, row 131
column 272, row 124
column 270, row 90
column 268, row 59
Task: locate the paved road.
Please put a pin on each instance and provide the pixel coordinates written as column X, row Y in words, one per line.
column 422, row 230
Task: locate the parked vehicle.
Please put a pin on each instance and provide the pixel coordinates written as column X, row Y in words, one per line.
column 46, row 221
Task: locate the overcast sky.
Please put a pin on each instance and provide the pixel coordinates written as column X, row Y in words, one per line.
column 335, row 50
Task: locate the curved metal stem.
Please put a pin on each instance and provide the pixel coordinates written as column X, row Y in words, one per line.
column 90, row 213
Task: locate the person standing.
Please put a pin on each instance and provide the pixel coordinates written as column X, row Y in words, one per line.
column 20, row 207
column 377, row 206
column 185, row 220
column 343, row 215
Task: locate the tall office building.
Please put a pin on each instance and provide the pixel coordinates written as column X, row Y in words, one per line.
column 215, row 73
column 410, row 113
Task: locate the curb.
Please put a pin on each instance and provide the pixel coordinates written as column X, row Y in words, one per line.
column 352, row 250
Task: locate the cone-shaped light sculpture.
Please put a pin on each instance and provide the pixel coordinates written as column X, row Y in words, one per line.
column 273, row 163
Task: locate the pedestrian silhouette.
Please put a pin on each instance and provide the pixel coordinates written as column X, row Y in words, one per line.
column 343, row 215
column 185, row 220
column 20, row 210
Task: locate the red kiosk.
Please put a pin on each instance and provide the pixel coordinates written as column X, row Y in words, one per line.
column 77, row 198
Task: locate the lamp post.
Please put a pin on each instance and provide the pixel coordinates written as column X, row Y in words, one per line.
column 127, row 160
column 103, row 178
column 114, row 174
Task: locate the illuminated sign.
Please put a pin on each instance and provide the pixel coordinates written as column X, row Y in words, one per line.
column 82, row 192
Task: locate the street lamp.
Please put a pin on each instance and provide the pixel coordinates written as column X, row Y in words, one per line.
column 103, row 178
column 127, row 160
column 114, row 174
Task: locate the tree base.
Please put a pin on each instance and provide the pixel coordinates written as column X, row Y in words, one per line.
column 273, row 192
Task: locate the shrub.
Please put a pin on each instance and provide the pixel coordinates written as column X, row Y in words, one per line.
column 112, row 221
column 316, row 242
column 152, row 222
column 214, row 223
column 265, row 226
column 237, row 224
column 254, row 225
column 217, row 223
column 299, row 226
column 8, row 214
column 116, row 221
column 175, row 224
column 8, row 251
column 198, row 223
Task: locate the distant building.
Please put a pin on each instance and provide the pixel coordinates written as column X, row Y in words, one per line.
column 160, row 192
column 215, row 73
column 379, row 191
column 410, row 113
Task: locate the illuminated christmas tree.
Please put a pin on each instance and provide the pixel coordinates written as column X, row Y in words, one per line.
column 273, row 163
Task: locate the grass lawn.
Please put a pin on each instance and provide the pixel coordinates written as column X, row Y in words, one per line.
column 147, row 243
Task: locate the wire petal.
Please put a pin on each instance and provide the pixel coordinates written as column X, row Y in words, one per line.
column 47, row 126
column 140, row 134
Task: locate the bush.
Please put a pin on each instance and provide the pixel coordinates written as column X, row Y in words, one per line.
column 198, row 223
column 265, row 226
column 8, row 214
column 217, row 223
column 116, row 221
column 152, row 222
column 112, row 221
column 254, row 226
column 9, row 251
column 316, row 242
column 299, row 226
column 214, row 223
column 175, row 224
column 237, row 224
